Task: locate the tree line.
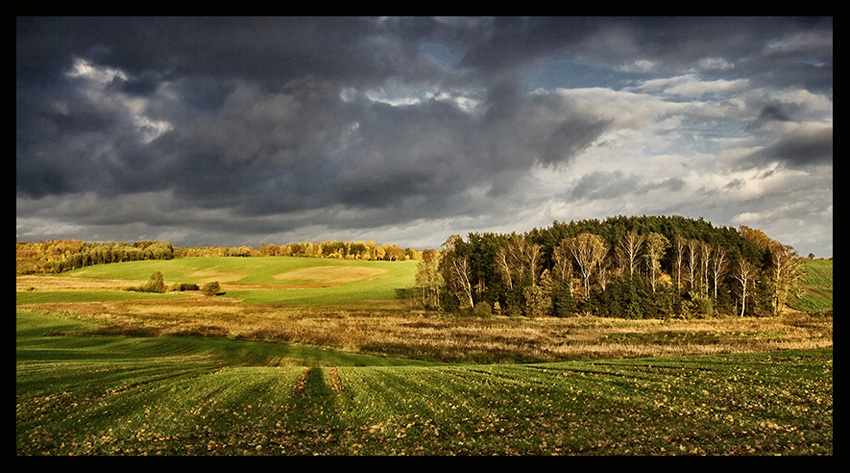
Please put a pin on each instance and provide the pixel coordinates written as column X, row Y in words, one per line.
column 56, row 256
column 634, row 267
column 333, row 249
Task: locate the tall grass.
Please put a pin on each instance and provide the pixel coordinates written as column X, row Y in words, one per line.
column 413, row 335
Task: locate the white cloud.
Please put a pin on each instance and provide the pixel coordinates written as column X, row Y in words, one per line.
column 99, row 92
column 691, row 85
column 401, row 95
column 805, row 41
column 102, row 75
column 640, row 65
column 715, row 64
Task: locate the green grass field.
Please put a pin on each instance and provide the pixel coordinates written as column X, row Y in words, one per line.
column 82, row 395
column 42, row 297
column 298, row 281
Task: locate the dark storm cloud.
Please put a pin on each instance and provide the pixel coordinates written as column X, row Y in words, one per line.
column 276, row 49
column 602, row 184
column 66, row 142
column 775, row 112
column 272, row 141
column 798, row 149
column 614, row 184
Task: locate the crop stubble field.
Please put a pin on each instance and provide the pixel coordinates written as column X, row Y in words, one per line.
column 326, row 360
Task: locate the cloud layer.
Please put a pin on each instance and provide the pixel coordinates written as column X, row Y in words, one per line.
column 235, row 131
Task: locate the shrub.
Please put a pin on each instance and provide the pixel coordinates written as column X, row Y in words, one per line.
column 482, row 309
column 156, row 283
column 565, row 304
column 699, row 306
column 184, row 286
column 211, row 288
column 537, row 302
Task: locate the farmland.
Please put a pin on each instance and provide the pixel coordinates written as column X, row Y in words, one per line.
column 272, row 281
column 316, row 357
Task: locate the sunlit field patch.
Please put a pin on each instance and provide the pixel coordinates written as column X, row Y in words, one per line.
column 332, row 274
column 255, row 270
column 203, row 276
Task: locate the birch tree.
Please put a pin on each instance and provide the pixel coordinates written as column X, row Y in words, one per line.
column 746, row 274
column 784, row 274
column 628, row 251
column 518, row 261
column 679, row 245
column 429, row 280
column 719, row 267
column 588, row 250
column 457, row 272
column 705, row 252
column 656, row 246
column 503, row 266
column 693, row 263
column 562, row 265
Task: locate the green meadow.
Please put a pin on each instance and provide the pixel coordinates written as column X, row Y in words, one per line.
column 289, row 281
column 79, row 395
column 42, row 297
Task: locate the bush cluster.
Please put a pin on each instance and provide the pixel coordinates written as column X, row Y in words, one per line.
column 156, row 284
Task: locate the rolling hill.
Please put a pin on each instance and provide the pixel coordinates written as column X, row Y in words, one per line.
column 278, row 281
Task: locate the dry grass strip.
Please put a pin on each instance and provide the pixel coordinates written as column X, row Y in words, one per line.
column 336, row 383
column 301, row 383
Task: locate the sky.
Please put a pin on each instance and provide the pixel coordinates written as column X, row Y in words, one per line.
column 230, row 131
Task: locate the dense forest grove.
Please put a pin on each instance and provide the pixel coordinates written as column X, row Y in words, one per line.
column 634, row 267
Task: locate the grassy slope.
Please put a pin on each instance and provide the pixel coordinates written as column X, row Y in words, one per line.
column 818, row 287
column 384, row 280
column 256, row 270
column 194, row 396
